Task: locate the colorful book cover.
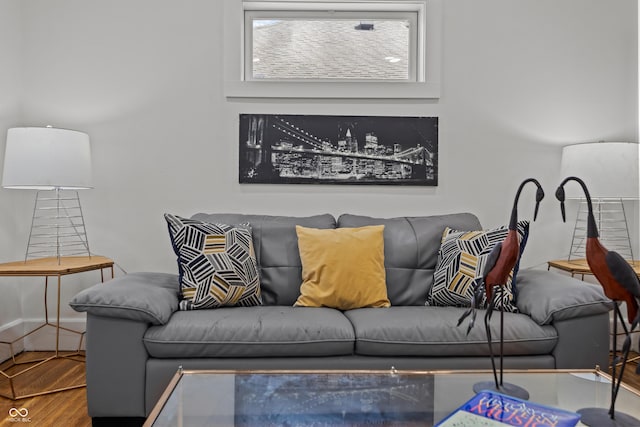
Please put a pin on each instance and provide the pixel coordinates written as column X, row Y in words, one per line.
column 491, row 409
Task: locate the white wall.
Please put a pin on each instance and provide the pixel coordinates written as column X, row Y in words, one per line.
column 10, row 94
column 524, row 79
column 144, row 79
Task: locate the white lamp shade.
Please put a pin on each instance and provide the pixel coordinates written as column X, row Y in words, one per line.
column 47, row 158
column 609, row 169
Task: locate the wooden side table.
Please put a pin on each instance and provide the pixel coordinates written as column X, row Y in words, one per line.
column 49, row 267
column 580, row 266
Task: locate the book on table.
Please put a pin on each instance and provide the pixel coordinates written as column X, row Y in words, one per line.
column 491, row 409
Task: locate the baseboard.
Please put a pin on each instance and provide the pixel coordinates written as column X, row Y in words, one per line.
column 44, row 339
column 8, row 333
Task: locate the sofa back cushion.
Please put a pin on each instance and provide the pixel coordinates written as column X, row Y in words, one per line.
column 276, row 247
column 411, row 247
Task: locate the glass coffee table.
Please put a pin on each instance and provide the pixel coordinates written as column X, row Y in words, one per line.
column 362, row 398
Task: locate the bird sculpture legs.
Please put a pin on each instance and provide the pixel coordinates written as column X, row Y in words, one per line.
column 487, row 327
column 600, row 417
column 615, row 384
column 498, row 385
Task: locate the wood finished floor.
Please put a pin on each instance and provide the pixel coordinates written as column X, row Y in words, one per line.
column 69, row 408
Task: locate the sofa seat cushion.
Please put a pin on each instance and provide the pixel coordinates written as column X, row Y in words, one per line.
column 432, row 331
column 252, row 332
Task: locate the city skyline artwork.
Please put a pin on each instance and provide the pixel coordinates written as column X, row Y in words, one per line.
column 319, row 149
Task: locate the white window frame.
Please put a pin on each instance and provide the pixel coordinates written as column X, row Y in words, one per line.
column 426, row 83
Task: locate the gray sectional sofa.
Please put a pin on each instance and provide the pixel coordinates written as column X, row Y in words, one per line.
column 137, row 338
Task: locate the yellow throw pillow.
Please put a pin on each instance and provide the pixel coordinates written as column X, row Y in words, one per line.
column 342, row 268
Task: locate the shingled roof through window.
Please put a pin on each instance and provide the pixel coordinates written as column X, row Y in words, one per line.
column 330, row 49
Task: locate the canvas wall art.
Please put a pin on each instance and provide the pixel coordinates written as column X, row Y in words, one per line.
column 319, row 149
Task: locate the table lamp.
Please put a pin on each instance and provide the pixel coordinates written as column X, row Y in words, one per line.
column 56, row 162
column 610, row 171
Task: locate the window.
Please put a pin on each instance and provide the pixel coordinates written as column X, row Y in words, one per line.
column 320, row 47
column 354, row 49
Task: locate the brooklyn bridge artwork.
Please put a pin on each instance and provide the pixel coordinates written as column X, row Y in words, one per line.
column 313, row 149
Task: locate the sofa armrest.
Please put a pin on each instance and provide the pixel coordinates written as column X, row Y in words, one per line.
column 583, row 343
column 116, row 367
column 549, row 297
column 145, row 297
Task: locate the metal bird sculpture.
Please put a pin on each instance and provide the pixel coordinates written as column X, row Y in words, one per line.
column 504, row 256
column 620, row 283
column 501, row 260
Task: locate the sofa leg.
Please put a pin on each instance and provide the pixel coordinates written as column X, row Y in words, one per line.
column 117, row 421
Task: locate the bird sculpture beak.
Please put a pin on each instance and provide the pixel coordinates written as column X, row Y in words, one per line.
column 539, row 197
column 560, row 196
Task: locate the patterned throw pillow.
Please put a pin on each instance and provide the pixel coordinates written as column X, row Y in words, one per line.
column 461, row 263
column 216, row 263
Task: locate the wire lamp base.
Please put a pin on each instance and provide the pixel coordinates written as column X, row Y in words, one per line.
column 57, row 226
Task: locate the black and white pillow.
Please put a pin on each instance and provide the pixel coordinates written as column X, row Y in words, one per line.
column 461, row 262
column 216, row 263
